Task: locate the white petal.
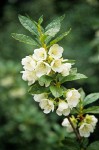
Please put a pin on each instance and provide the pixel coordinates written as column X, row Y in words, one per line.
column 58, row 112
column 66, row 69
column 65, row 122
column 40, row 54
column 72, row 97
column 29, row 63
column 42, row 68
column 55, row 51
column 39, row 97
column 56, row 65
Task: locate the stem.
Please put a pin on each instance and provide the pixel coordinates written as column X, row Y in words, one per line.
column 75, row 131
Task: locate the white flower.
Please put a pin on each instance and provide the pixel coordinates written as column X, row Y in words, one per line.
column 42, row 68
column 29, row 76
column 29, row 63
column 40, row 54
column 56, row 65
column 91, row 119
column 47, row 105
column 85, row 130
column 55, row 51
column 39, row 97
column 66, row 69
column 72, row 97
column 63, row 109
column 67, row 124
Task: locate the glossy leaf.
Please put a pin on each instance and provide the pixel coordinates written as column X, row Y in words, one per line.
column 40, row 19
column 91, row 98
column 37, row 89
column 73, row 77
column 56, row 91
column 93, row 110
column 54, row 27
column 45, row 80
column 23, row 38
column 82, row 93
column 28, row 24
column 60, row 37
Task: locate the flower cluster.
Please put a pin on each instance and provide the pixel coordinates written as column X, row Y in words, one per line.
column 44, row 62
column 49, row 62
column 85, row 126
column 63, row 107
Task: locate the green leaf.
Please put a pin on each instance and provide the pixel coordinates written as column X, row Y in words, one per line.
column 91, row 98
column 74, row 111
column 93, row 110
column 73, row 71
column 94, row 146
column 84, row 142
column 71, row 144
column 60, row 37
column 23, row 38
column 82, row 93
column 37, row 89
column 28, row 24
column 45, row 80
column 73, row 77
column 54, row 27
column 56, row 91
column 40, row 19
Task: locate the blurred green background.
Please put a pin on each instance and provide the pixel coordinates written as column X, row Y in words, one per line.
column 22, row 124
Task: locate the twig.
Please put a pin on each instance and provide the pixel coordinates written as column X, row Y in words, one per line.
column 76, row 132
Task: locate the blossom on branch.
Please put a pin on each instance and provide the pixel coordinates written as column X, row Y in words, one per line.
column 63, row 108
column 72, row 97
column 47, row 105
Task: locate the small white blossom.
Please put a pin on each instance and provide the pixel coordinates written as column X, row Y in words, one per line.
column 42, row 68
column 39, row 97
column 85, row 130
column 72, row 97
column 66, row 69
column 28, row 63
column 63, row 109
column 47, row 105
column 67, row 124
column 40, row 54
column 56, row 65
column 55, row 51
column 91, row 119
column 29, row 76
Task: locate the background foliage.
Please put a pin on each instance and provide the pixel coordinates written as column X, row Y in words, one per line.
column 22, row 123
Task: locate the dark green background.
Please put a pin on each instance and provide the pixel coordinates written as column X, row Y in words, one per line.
column 22, row 124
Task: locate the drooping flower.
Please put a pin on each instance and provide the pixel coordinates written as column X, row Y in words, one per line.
column 29, row 76
column 67, row 124
column 66, row 69
column 40, row 54
column 55, row 51
column 85, row 130
column 47, row 105
column 72, row 97
column 63, row 109
column 39, row 97
column 42, row 68
column 28, row 63
column 56, row 65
